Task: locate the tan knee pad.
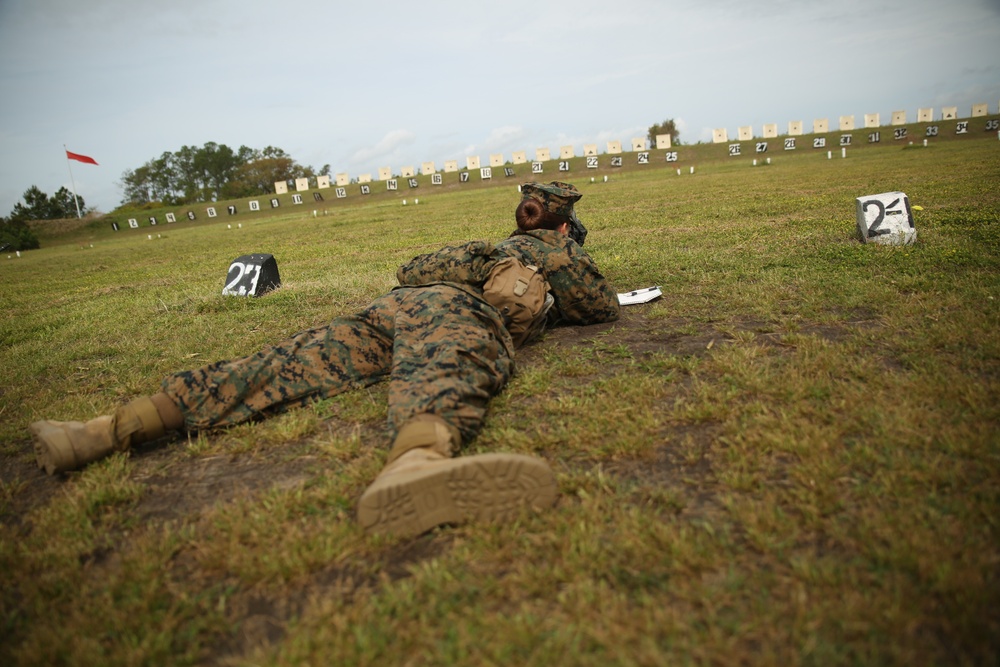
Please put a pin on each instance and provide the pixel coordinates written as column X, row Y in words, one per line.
column 426, row 430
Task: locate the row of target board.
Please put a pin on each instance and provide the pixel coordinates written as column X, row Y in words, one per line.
column 537, row 168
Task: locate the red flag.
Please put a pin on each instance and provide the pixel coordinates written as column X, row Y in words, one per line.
column 80, row 158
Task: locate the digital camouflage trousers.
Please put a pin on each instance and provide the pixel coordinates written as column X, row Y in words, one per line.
column 442, row 349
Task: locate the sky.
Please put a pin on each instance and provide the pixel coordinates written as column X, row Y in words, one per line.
column 365, row 85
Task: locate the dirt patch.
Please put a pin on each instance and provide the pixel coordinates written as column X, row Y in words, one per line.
column 186, row 486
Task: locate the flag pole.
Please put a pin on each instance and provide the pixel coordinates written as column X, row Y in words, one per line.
column 73, row 181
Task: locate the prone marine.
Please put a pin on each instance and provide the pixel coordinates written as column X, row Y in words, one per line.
column 445, row 339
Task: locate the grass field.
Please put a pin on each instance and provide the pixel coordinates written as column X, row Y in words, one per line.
column 793, row 457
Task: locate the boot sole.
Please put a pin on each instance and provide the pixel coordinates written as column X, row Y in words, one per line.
column 469, row 488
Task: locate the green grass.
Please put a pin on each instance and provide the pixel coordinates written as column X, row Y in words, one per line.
column 791, row 458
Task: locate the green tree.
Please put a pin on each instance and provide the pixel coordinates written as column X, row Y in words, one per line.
column 39, row 206
column 16, row 235
column 666, row 127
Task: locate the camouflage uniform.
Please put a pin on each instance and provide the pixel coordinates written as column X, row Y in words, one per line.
column 445, row 350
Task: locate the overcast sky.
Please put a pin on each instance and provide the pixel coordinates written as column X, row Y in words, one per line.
column 363, row 85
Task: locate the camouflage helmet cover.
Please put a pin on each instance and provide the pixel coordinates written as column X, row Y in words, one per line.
column 556, row 197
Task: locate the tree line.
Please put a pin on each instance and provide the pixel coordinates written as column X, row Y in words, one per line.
column 210, row 173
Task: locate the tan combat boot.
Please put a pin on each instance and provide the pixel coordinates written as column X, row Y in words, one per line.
column 422, row 487
column 63, row 446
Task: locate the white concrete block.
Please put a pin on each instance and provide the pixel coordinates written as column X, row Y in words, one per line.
column 925, row 115
column 450, row 166
column 898, row 118
column 821, row 126
column 663, row 141
column 720, row 136
column 980, row 110
column 406, row 172
column 472, row 162
column 364, row 178
column 519, row 157
column 301, row 184
column 566, row 152
column 322, row 182
column 590, row 150
column 614, row 147
column 342, row 179
column 384, row 173
column 542, row 155
column 846, row 123
column 745, row 133
column 794, row 128
column 771, row 131
column 427, row 168
column 949, row 113
column 638, row 144
column 496, row 159
column 871, row 120
column 885, row 218
column 280, row 187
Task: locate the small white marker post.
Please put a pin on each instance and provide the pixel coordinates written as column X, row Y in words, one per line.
column 829, row 155
column 149, row 237
column 692, row 170
column 769, row 160
column 925, row 143
column 605, row 179
column 678, row 172
column 416, row 201
column 755, row 162
column 239, row 226
column 843, row 152
column 404, row 202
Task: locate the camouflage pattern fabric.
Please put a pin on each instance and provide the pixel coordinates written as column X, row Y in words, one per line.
column 556, row 197
column 442, row 349
column 582, row 295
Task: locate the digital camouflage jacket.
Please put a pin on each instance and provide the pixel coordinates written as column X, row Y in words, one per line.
column 581, row 293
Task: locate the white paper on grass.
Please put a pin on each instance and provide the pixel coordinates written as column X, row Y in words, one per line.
column 639, row 296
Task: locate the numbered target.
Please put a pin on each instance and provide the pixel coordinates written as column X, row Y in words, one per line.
column 436, row 179
column 536, row 167
column 845, row 140
column 671, row 156
column 885, row 219
column 463, row 177
column 899, row 133
column 734, row 150
column 211, row 211
column 317, row 196
column 508, row 172
column 486, row 173
column 366, row 189
column 191, row 215
column 133, row 223
column 252, row 275
column 231, row 209
column 591, row 162
column 340, row 192
column 391, row 184
column 616, row 161
column 819, row 142
column 790, row 144
column 296, row 199
column 761, row 147
column 275, row 203
column 254, row 205
column 643, row 157
column 171, row 217
column 874, row 137
column 962, row 127
column 563, row 165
